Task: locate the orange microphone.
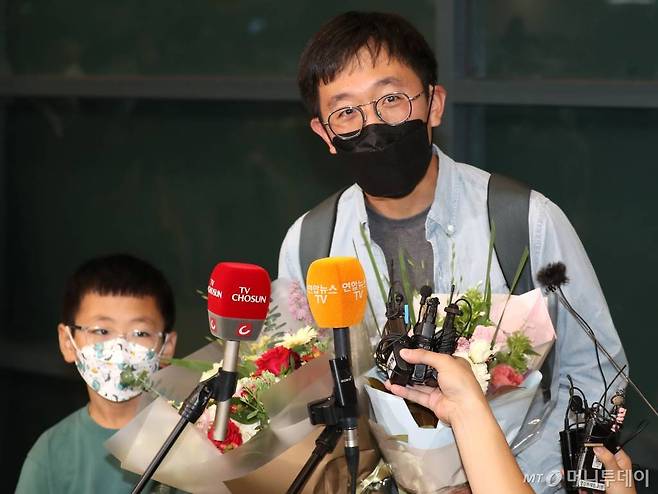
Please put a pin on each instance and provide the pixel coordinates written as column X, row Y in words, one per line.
column 336, row 291
column 337, row 295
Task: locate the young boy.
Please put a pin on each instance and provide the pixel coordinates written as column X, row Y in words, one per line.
column 117, row 322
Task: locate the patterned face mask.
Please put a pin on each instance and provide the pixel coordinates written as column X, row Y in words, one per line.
column 117, row 369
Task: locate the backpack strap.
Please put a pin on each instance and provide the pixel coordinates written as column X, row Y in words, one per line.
column 508, row 203
column 317, row 231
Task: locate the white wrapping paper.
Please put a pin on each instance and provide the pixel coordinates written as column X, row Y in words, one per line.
column 426, row 460
column 194, row 464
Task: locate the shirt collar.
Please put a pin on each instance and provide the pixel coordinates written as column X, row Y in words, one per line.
column 443, row 212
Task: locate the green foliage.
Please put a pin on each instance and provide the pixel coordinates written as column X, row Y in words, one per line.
column 246, row 368
column 370, row 307
column 129, row 379
column 371, row 256
column 195, row 365
column 487, row 278
column 515, row 281
column 271, row 325
column 519, row 348
column 480, row 306
column 248, row 408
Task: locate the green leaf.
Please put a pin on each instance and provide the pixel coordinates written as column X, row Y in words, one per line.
column 372, row 309
column 246, row 368
column 372, row 261
column 517, row 276
column 519, row 347
column 195, row 365
column 487, row 279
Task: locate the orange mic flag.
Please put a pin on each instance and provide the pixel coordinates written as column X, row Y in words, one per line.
column 336, row 291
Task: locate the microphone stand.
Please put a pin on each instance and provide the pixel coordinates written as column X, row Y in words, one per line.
column 338, row 413
column 192, row 408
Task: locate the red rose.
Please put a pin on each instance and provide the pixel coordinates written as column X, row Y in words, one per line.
column 233, row 437
column 505, row 375
column 278, row 360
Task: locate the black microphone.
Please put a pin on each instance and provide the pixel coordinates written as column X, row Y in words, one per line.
column 337, row 297
column 552, row 277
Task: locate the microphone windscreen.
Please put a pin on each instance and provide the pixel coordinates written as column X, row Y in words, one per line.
column 238, row 300
column 425, row 291
column 336, row 291
column 553, row 275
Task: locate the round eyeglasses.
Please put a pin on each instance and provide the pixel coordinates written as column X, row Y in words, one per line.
column 392, row 109
column 144, row 337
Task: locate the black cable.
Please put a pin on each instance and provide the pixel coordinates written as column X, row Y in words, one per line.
column 470, row 315
column 619, row 373
column 385, row 347
column 578, row 317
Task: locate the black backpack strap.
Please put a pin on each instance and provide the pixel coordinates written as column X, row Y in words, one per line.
column 317, row 231
column 508, row 203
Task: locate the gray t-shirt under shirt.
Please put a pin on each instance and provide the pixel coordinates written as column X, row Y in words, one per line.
column 408, row 235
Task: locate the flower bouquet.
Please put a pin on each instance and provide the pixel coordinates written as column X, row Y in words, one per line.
column 279, row 374
column 505, row 358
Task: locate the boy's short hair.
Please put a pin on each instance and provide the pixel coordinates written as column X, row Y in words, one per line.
column 339, row 40
column 123, row 275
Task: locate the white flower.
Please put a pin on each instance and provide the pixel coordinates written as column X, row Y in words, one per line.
column 482, row 375
column 301, row 337
column 479, row 351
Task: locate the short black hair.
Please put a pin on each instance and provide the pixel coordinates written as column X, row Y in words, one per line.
column 339, row 40
column 119, row 274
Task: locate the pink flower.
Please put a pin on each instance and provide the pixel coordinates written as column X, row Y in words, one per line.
column 487, row 332
column 205, row 421
column 463, row 344
column 298, row 305
column 504, row 375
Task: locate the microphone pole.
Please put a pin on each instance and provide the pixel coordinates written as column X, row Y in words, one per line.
column 341, row 368
column 238, row 300
column 337, row 296
column 338, row 413
column 192, row 408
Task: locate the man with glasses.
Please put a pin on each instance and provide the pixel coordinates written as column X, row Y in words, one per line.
column 369, row 81
column 117, row 322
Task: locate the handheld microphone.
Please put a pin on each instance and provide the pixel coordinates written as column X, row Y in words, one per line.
column 337, row 296
column 238, row 300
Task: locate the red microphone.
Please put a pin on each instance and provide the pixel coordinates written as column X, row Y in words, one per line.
column 238, row 300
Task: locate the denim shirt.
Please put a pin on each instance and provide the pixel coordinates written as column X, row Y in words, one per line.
column 458, row 224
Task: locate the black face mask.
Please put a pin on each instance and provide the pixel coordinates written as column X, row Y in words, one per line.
column 385, row 160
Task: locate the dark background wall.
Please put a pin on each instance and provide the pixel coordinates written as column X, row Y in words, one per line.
column 173, row 131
